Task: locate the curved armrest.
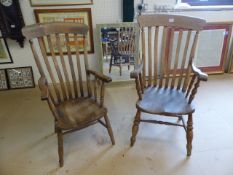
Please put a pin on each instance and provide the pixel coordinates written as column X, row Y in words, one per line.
column 201, row 75
column 100, row 76
column 137, row 71
column 43, row 85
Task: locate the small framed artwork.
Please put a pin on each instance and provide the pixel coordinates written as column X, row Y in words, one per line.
column 36, row 3
column 5, row 55
column 3, row 80
column 81, row 16
column 21, row 77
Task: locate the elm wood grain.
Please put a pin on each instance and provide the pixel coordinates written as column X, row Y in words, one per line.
column 72, row 107
column 175, row 79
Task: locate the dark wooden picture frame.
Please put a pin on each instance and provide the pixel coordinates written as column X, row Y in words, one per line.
column 38, row 12
column 20, row 79
column 3, row 80
column 4, row 48
column 90, row 2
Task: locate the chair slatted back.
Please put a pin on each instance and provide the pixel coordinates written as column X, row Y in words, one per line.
column 63, row 64
column 126, row 38
column 168, row 45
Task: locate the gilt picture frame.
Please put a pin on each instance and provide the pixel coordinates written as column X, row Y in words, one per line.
column 40, row 3
column 81, row 16
column 5, row 55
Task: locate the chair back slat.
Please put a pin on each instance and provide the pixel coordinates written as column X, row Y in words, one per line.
column 61, row 45
column 78, row 65
column 177, row 54
column 37, row 59
column 149, row 57
column 173, row 39
column 163, row 56
column 191, row 57
column 143, row 57
column 168, row 69
column 156, row 42
column 64, row 67
column 184, row 58
column 71, row 64
column 49, row 69
column 56, row 65
column 87, row 67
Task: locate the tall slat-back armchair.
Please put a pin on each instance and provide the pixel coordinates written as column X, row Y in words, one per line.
column 74, row 97
column 123, row 49
column 167, row 80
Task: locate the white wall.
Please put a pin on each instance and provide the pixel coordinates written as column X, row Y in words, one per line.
column 103, row 11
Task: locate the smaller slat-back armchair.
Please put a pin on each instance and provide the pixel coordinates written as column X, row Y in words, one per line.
column 167, row 79
column 76, row 94
column 122, row 49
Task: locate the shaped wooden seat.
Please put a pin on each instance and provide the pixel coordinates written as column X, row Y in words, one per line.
column 80, row 112
column 164, row 101
column 166, row 78
column 76, row 93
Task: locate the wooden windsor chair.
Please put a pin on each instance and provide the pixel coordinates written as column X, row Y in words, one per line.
column 167, row 79
column 75, row 100
column 123, row 49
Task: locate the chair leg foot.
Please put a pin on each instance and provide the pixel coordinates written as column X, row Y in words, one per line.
column 189, row 134
column 109, row 128
column 135, row 127
column 60, row 147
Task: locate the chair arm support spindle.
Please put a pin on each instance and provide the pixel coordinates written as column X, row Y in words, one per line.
column 43, row 85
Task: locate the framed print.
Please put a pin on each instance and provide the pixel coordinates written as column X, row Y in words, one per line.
column 36, row 3
column 82, row 16
column 5, row 56
column 21, row 77
column 3, row 80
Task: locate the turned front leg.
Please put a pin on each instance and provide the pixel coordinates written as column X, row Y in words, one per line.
column 135, row 127
column 189, row 134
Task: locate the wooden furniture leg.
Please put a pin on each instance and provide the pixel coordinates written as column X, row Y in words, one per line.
column 60, row 146
column 110, row 65
column 135, row 127
column 109, row 128
column 189, row 134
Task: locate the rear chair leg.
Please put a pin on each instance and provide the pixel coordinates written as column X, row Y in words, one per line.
column 189, row 134
column 135, row 127
column 60, row 146
column 109, row 128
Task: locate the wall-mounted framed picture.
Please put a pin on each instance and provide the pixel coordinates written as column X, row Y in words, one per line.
column 38, row 3
column 20, row 77
column 5, row 55
column 3, row 80
column 82, row 16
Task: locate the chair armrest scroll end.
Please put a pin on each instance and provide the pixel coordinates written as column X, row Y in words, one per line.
column 201, row 75
column 135, row 73
column 100, row 76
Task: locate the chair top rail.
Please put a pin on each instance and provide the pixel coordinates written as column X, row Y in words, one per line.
column 176, row 21
column 43, row 29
